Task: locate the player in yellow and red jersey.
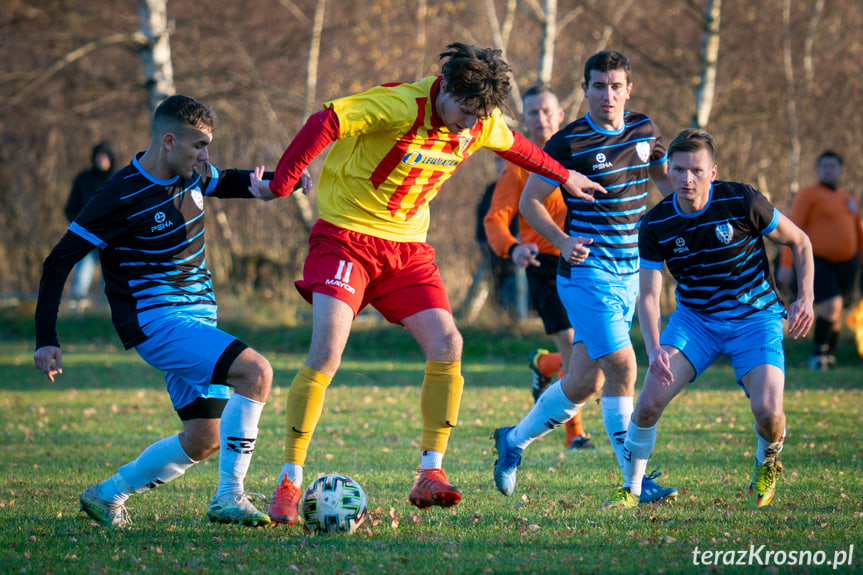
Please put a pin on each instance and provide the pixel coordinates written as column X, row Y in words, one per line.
column 393, row 148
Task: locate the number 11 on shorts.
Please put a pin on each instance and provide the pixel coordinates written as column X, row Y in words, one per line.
column 344, row 272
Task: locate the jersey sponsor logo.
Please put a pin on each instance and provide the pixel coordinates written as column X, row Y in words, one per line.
column 643, row 150
column 198, row 197
column 162, row 222
column 601, row 162
column 725, row 233
column 343, row 276
column 681, row 246
column 428, row 159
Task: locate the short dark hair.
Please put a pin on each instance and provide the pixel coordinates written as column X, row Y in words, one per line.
column 829, row 154
column 692, row 140
column 179, row 112
column 538, row 90
column 606, row 61
column 476, row 77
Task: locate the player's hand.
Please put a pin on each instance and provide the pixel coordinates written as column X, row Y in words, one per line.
column 660, row 367
column 525, row 255
column 259, row 187
column 575, row 250
column 305, row 184
column 800, row 317
column 49, row 360
column 580, row 186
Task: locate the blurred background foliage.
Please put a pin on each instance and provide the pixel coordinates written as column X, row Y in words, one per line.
column 787, row 75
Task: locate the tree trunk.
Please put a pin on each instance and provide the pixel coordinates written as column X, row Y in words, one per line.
column 710, row 57
column 549, row 35
column 156, row 52
column 500, row 44
column 793, row 113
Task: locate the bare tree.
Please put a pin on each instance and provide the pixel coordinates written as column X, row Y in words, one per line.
column 795, row 92
column 706, row 90
column 500, row 37
column 156, row 51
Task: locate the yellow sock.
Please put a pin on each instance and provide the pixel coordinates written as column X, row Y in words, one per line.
column 305, row 403
column 441, row 397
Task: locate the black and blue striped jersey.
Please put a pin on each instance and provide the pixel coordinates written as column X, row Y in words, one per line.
column 150, row 235
column 619, row 161
column 716, row 254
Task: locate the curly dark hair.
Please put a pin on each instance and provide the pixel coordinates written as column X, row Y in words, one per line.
column 479, row 78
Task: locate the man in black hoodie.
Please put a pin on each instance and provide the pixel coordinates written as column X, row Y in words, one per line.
column 83, row 187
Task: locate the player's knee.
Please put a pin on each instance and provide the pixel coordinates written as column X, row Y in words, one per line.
column 768, row 416
column 254, row 377
column 201, row 445
column 648, row 411
column 447, row 346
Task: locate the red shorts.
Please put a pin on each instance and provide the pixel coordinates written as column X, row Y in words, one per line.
column 398, row 279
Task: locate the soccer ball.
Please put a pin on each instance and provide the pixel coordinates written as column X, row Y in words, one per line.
column 334, row 503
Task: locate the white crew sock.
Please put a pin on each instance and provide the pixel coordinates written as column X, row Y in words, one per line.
column 550, row 411
column 294, row 472
column 616, row 413
column 238, row 431
column 637, row 449
column 161, row 462
column 767, row 451
column 431, row 459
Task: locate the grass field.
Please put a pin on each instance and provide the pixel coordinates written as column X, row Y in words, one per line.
column 108, row 405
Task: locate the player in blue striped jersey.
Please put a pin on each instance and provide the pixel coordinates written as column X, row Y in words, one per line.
column 711, row 236
column 622, row 151
column 148, row 223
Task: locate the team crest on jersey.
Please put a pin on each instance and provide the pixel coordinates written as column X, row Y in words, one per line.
column 198, row 197
column 464, row 141
column 852, row 206
column 643, row 150
column 724, row 232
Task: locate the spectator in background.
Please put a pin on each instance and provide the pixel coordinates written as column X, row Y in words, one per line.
column 83, row 187
column 830, row 216
column 500, row 268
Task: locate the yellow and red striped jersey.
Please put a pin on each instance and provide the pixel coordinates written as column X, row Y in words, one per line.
column 392, row 155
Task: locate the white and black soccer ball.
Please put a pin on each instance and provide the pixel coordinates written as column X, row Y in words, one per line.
column 334, row 503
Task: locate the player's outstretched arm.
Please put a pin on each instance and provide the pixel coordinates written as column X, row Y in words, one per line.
column 49, row 360
column 260, row 188
column 580, row 186
column 532, row 207
column 800, row 312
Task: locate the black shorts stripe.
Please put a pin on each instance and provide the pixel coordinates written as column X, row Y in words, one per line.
column 220, row 373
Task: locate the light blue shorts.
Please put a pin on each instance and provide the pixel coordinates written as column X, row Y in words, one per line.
column 600, row 308
column 188, row 350
column 748, row 343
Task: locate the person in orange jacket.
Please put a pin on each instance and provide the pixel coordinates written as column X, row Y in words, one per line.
column 830, row 216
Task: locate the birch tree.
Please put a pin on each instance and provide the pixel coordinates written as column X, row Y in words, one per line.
column 706, row 90
column 156, row 51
